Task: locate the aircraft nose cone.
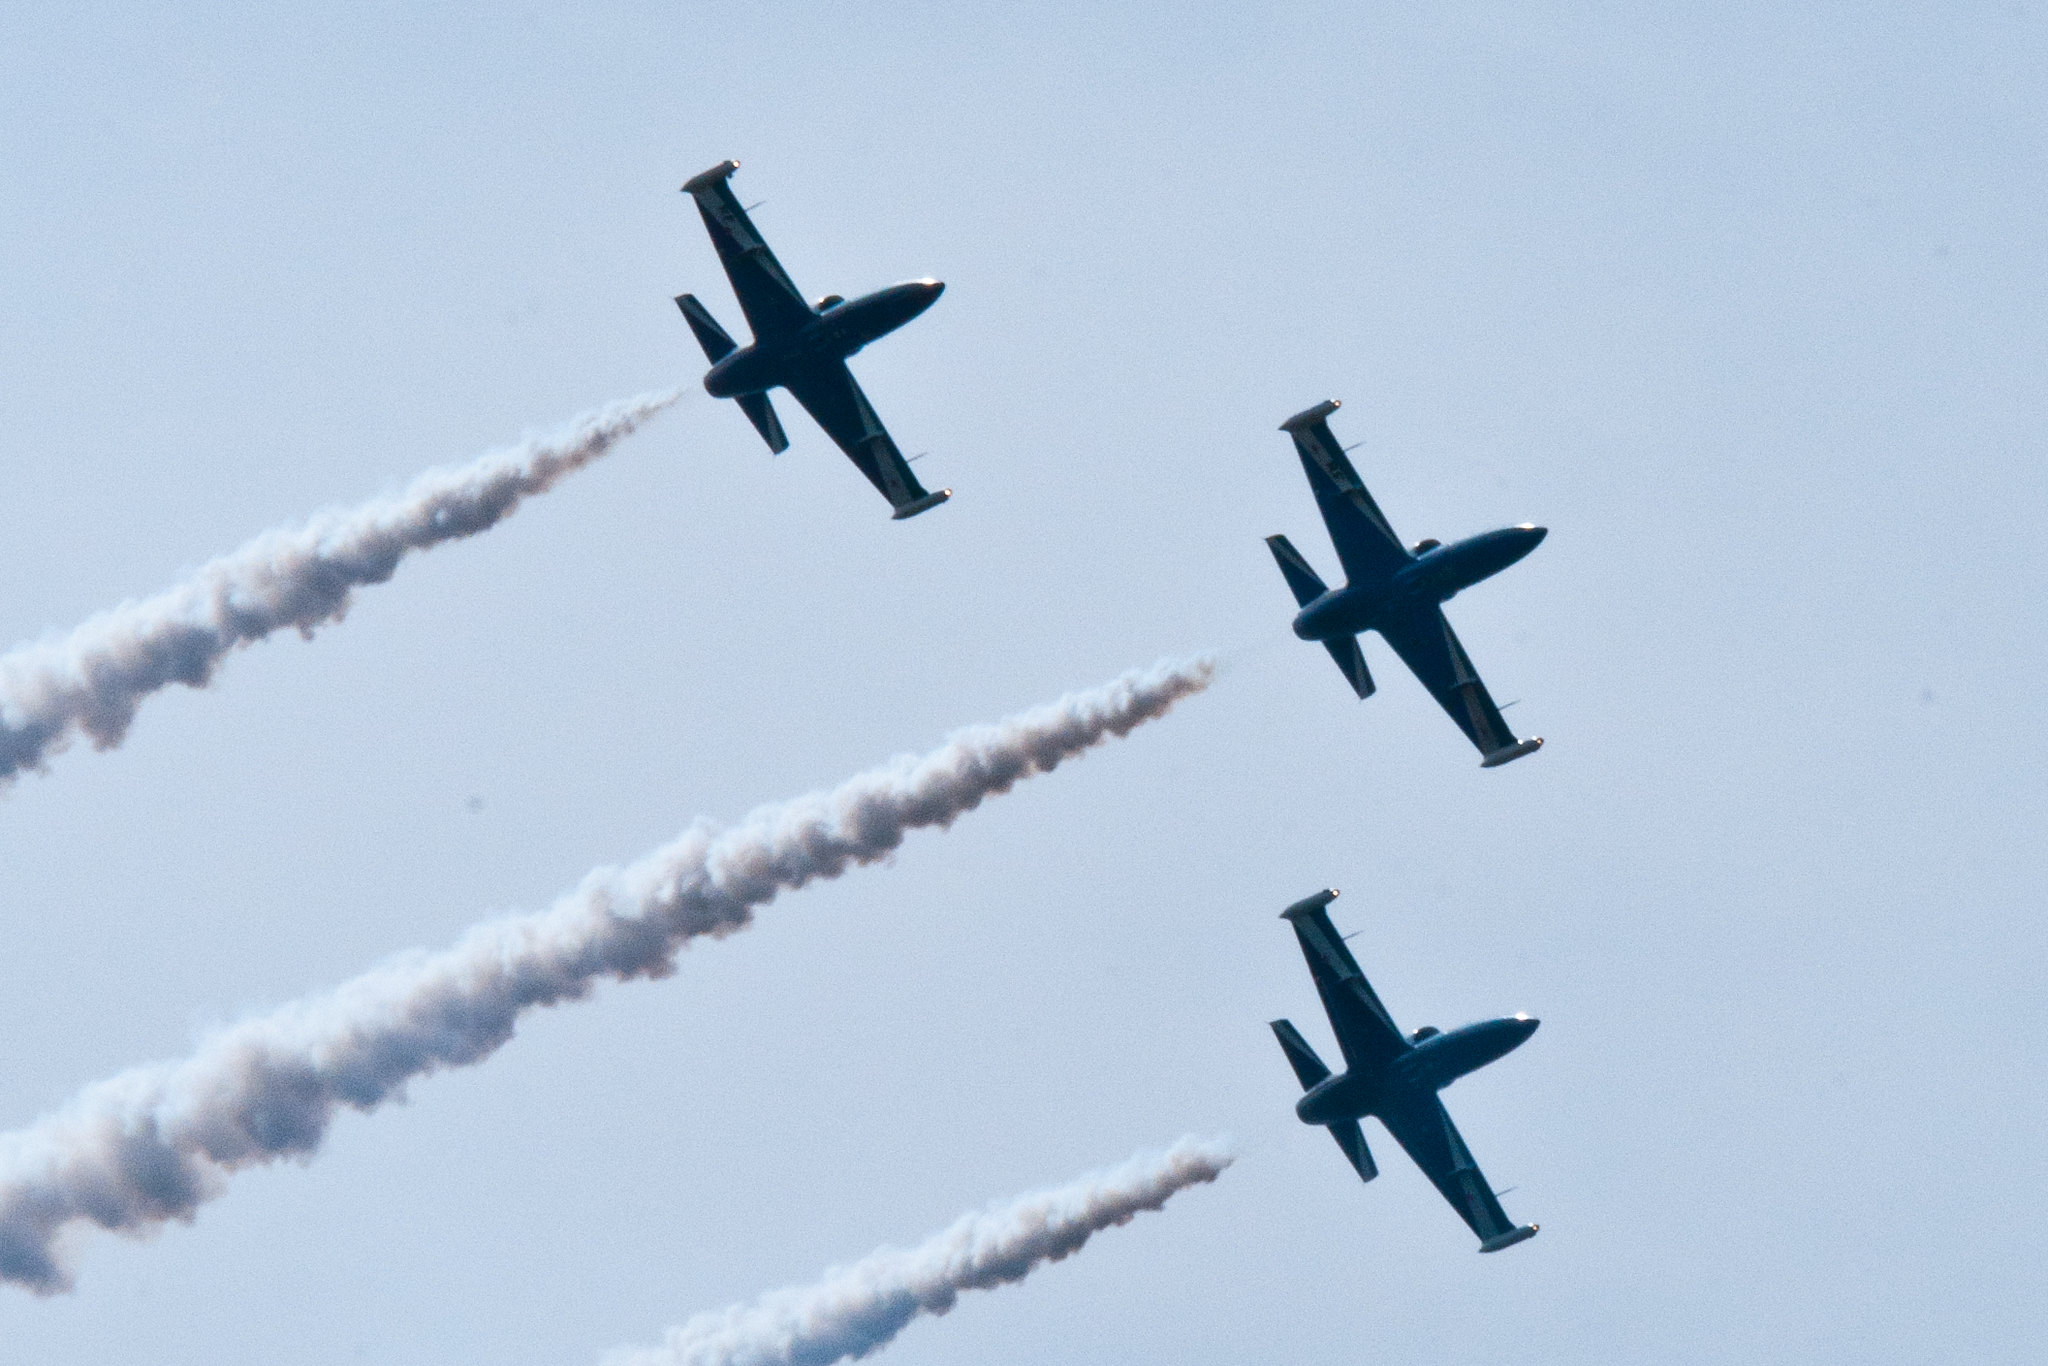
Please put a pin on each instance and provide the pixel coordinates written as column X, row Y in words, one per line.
column 933, row 288
column 1533, row 534
column 1528, row 1024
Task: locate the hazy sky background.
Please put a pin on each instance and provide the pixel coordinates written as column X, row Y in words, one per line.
column 1745, row 303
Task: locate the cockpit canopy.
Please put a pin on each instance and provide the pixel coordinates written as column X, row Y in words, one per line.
column 1423, row 547
column 1427, row 1031
column 828, row 301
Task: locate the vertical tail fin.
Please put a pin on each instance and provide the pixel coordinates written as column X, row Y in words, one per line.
column 1308, row 1068
column 717, row 345
column 1310, row 1072
column 1307, row 586
column 1305, row 582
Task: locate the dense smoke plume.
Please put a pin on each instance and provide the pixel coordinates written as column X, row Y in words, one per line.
column 856, row 1309
column 153, row 1143
column 93, row 679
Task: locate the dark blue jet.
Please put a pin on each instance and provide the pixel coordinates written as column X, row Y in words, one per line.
column 1394, row 1077
column 1396, row 590
column 801, row 347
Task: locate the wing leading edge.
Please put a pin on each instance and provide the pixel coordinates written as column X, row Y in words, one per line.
column 767, row 295
column 1425, row 1132
column 1365, row 540
column 1430, row 649
column 830, row 395
column 1365, row 1031
column 1372, row 1042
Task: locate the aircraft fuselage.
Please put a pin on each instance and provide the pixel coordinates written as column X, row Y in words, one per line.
column 1435, row 576
column 1423, row 1069
column 838, row 329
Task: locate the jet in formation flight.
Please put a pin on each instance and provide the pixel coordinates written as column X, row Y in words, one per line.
column 1394, row 1077
column 801, row 347
column 1396, row 590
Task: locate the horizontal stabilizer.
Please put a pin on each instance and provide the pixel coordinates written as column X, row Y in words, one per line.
column 1351, row 1139
column 1507, row 754
column 761, row 413
column 917, row 505
column 1351, row 660
column 717, row 345
column 1308, row 1068
column 1510, row 1238
column 1304, row 582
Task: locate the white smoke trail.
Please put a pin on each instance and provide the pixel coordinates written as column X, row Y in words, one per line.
column 856, row 1309
column 151, row 1144
column 93, row 679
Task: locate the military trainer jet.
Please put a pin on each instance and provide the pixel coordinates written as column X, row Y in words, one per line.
column 1393, row 1077
column 801, row 346
column 1396, row 590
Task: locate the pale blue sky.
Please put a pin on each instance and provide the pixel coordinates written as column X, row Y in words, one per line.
column 1745, row 303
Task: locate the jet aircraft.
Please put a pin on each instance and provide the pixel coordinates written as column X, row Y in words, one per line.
column 1394, row 1077
column 801, row 347
column 1396, row 590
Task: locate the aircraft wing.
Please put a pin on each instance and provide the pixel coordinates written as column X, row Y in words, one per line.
column 1365, row 542
column 1365, row 1031
column 829, row 394
column 1424, row 1129
column 1427, row 645
column 772, row 303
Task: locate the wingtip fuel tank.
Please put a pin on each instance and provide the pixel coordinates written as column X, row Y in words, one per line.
column 1395, row 590
column 1510, row 1238
column 800, row 346
column 924, row 504
column 1507, row 754
column 1308, row 417
column 706, row 179
column 1393, row 1078
column 1310, row 904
